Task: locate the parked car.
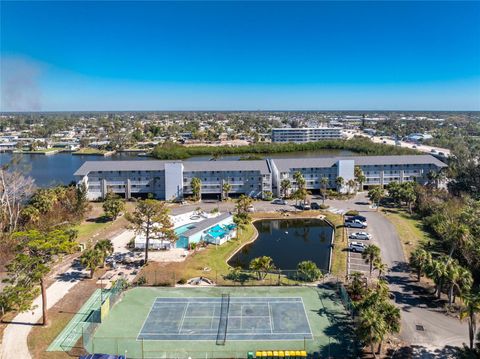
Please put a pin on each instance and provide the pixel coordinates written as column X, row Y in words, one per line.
column 360, row 235
column 305, row 206
column 279, row 201
column 251, row 208
column 356, row 223
column 360, row 218
column 314, row 205
column 357, row 247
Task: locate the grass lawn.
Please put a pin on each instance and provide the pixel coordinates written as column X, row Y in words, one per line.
column 339, row 254
column 410, row 230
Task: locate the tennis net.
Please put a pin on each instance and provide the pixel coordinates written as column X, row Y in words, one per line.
column 223, row 322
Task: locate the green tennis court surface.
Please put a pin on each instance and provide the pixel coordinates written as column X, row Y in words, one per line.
column 247, row 318
column 188, row 322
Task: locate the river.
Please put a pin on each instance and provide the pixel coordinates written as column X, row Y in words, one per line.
column 59, row 168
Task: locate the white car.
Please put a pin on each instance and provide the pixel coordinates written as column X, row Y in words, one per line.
column 250, row 208
column 279, row 201
column 356, row 223
column 360, row 235
column 357, row 247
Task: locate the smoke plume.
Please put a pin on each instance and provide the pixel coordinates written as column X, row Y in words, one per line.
column 20, row 84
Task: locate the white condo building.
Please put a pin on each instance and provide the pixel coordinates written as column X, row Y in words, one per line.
column 306, row 134
column 170, row 180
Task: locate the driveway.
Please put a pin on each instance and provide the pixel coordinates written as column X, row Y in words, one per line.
column 423, row 324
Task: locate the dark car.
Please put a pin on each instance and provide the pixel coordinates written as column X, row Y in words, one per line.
column 314, row 205
column 360, row 218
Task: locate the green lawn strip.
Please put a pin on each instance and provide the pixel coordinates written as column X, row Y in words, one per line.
column 87, row 229
column 409, row 229
column 339, row 254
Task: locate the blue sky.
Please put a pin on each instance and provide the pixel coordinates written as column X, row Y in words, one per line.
column 240, row 55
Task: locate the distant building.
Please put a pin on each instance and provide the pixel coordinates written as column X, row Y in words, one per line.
column 171, row 180
column 305, row 134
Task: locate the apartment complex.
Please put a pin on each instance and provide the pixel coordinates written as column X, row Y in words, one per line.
column 171, row 180
column 306, row 134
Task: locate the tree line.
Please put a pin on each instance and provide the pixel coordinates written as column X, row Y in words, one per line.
column 361, row 145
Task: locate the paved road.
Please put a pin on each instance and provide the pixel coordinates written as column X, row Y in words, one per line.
column 438, row 329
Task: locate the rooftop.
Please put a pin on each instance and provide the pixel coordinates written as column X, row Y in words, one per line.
column 286, row 164
column 283, row 164
column 203, row 225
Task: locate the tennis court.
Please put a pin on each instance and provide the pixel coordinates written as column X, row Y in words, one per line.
column 223, row 322
column 245, row 318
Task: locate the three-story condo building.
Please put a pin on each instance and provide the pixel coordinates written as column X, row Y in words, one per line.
column 306, row 134
column 171, row 180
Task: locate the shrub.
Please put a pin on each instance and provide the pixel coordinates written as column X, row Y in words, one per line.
column 324, row 206
column 182, row 281
column 308, row 271
column 141, row 280
column 351, row 213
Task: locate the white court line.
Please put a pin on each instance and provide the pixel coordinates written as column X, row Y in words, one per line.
column 270, row 316
column 183, row 318
column 308, row 321
column 145, row 321
column 231, row 316
column 238, row 334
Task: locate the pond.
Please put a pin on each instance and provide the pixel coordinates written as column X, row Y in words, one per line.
column 288, row 242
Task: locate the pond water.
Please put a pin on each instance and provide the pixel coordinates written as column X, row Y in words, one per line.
column 59, row 168
column 288, row 242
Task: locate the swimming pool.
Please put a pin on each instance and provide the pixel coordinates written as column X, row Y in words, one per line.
column 184, row 228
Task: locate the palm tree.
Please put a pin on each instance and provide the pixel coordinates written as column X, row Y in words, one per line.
column 392, row 318
column 370, row 255
column 285, row 186
column 371, row 328
column 105, row 247
column 262, row 265
column 351, row 184
column 359, row 176
column 196, row 185
column 459, row 278
column 471, row 309
column 324, row 183
column 420, row 260
column 380, row 266
column 357, row 286
column 226, row 188
column 339, row 181
column 376, row 194
column 91, row 259
column 437, row 271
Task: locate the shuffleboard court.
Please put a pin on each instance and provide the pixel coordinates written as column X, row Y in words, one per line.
column 246, row 318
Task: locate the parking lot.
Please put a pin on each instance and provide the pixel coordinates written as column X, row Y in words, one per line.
column 355, row 261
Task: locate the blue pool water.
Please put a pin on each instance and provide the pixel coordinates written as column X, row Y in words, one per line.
column 182, row 242
column 183, row 229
